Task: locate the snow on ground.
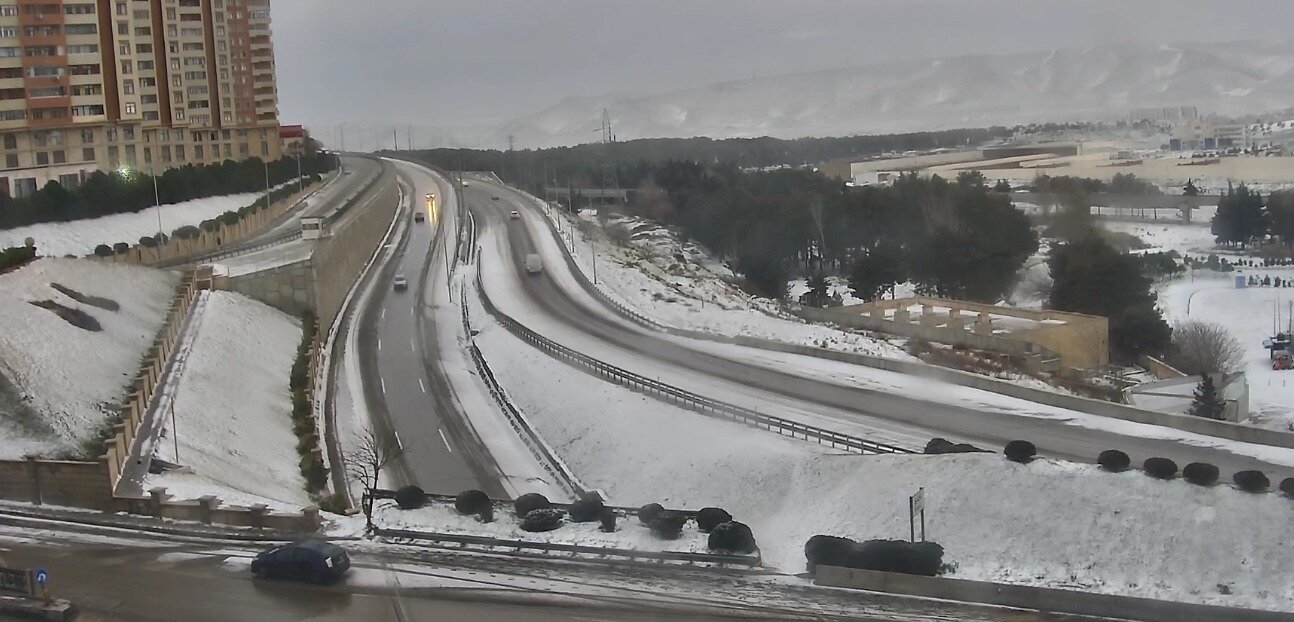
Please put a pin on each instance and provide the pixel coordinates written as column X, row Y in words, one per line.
column 679, row 284
column 69, row 376
column 1249, row 314
column 1047, row 523
column 1192, row 239
column 232, row 408
column 630, row 533
column 79, row 237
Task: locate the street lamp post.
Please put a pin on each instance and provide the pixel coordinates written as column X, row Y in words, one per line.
column 300, row 182
column 267, row 183
column 157, row 207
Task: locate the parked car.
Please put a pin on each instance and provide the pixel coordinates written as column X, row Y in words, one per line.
column 311, row 560
column 399, row 283
column 534, row 265
column 494, row 198
column 515, row 215
column 419, row 216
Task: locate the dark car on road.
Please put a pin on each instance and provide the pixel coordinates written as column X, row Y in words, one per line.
column 315, row 561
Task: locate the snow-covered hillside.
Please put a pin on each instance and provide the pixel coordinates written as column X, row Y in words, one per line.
column 71, row 377
column 232, row 407
column 967, row 91
column 1048, row 523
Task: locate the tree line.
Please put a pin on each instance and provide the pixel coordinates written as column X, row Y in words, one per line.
column 116, row 192
column 1245, row 217
column 562, row 162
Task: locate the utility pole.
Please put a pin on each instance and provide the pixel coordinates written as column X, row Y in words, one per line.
column 408, row 134
column 395, row 138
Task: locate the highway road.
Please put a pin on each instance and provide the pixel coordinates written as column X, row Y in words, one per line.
column 627, row 346
column 406, row 385
column 122, row 576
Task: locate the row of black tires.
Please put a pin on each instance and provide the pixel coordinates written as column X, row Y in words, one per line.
column 537, row 514
column 1198, row 473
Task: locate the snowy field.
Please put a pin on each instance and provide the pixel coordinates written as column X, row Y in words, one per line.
column 79, row 237
column 679, row 284
column 232, row 408
column 1249, row 314
column 71, row 377
column 1049, row 523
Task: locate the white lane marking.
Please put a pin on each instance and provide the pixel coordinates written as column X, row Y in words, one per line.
column 379, row 344
column 383, row 314
column 383, row 386
column 413, row 346
column 398, row 442
column 442, row 437
column 422, row 386
column 413, row 310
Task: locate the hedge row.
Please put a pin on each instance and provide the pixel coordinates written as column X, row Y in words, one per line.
column 303, row 421
column 113, row 192
column 917, row 558
column 16, row 256
column 1198, row 473
column 537, row 514
column 191, row 232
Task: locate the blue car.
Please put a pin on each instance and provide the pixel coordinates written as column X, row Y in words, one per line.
column 315, row 561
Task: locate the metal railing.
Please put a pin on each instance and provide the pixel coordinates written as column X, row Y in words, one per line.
column 683, row 398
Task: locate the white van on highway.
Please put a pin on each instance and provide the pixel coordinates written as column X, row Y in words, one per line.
column 534, row 265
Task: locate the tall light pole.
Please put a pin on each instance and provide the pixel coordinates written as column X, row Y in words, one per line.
column 300, row 182
column 267, row 183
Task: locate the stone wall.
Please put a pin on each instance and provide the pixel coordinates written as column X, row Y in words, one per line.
column 289, row 288
column 338, row 259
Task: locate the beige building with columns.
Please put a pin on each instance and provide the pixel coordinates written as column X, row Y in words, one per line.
column 91, row 85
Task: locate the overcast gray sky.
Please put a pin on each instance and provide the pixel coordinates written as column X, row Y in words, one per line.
column 459, row 62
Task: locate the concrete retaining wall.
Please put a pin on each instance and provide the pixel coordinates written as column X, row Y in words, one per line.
column 289, row 288
column 1038, row 598
column 338, row 260
column 56, row 482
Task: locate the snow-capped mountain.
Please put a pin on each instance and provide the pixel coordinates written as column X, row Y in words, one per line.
column 968, row 91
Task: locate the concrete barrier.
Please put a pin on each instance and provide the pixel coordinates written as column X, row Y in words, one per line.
column 1039, row 598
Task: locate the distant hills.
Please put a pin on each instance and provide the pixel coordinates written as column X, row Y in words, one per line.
column 968, row 91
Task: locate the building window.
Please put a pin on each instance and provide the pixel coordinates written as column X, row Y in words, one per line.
column 87, row 135
column 197, row 152
column 10, row 141
column 128, row 87
column 83, row 49
column 69, row 181
column 179, row 114
column 39, row 139
column 125, row 67
column 60, row 157
column 24, row 187
column 130, row 154
column 128, row 132
column 166, row 153
column 179, row 152
column 81, row 29
column 9, row 9
column 87, row 154
column 265, row 148
column 113, row 157
column 10, row 52
column 11, row 160
column 148, row 155
column 130, row 108
column 8, row 32
column 42, row 158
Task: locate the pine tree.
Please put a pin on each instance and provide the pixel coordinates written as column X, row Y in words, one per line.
column 1207, row 402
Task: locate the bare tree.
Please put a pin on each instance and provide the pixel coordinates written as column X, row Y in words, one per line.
column 1202, row 348
column 364, row 464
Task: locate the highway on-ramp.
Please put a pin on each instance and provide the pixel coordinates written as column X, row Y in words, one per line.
column 894, row 416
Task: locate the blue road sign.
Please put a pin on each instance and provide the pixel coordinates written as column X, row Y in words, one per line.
column 41, row 577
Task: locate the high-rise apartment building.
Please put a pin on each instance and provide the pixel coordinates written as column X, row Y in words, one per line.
column 146, row 84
